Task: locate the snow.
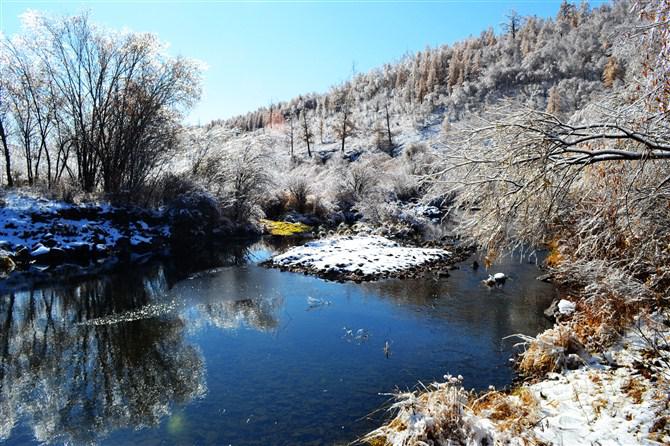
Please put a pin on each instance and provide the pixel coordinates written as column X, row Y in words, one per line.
column 28, row 220
column 566, row 307
column 600, row 404
column 366, row 255
column 595, row 404
column 41, row 250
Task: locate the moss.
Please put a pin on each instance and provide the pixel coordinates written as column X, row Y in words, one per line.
column 284, row 228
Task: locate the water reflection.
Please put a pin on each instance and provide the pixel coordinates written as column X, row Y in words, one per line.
column 75, row 382
column 240, row 354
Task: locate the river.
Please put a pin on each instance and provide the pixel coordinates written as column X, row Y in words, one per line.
column 244, row 355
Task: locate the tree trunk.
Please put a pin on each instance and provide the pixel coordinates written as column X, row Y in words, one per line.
column 388, row 125
column 5, row 147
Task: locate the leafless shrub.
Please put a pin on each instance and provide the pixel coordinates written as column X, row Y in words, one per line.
column 406, row 187
column 239, row 179
column 298, row 189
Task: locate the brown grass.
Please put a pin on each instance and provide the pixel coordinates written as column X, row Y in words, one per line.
column 601, row 321
column 516, row 412
column 634, row 389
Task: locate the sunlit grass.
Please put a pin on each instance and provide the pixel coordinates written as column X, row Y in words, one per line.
column 284, row 228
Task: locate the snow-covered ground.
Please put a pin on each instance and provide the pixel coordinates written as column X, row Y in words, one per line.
column 624, row 401
column 368, row 256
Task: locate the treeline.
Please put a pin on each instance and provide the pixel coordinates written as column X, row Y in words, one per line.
column 94, row 108
column 569, row 56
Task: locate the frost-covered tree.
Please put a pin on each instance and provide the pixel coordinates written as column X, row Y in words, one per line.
column 114, row 99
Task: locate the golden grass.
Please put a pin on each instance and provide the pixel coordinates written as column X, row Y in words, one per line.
column 544, row 354
column 516, row 412
column 554, row 257
column 284, row 228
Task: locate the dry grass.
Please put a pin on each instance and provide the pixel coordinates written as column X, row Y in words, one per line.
column 437, row 414
column 514, row 413
column 634, row 389
column 547, row 352
column 554, row 258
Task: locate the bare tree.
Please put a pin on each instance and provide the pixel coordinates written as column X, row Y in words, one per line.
column 3, row 131
column 307, row 135
column 290, row 128
column 345, row 127
column 519, row 178
column 512, row 23
column 244, row 182
column 112, row 99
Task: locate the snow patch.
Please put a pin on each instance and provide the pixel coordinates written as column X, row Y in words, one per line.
column 365, row 255
column 566, row 307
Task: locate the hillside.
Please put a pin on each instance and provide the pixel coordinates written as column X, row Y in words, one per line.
column 354, row 152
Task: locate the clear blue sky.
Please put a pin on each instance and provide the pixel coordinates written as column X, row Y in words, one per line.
column 262, row 50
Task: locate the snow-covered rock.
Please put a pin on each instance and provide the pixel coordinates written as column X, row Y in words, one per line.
column 51, row 232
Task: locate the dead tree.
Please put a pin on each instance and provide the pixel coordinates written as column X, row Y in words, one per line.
column 307, row 135
column 345, row 126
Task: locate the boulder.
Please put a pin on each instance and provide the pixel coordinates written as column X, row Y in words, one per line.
column 7, row 265
column 80, row 253
column 552, row 310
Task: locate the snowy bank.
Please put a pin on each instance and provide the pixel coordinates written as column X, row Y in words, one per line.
column 620, row 400
column 358, row 258
column 35, row 231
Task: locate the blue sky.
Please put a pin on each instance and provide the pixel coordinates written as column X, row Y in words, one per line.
column 260, row 51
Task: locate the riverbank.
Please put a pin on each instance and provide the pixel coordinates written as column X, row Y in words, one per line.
column 619, row 397
column 43, row 238
column 37, row 233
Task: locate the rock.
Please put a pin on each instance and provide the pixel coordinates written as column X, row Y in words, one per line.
column 22, row 254
column 7, row 265
column 544, row 278
column 79, row 253
column 39, row 251
column 552, row 310
column 573, row 361
column 49, row 243
column 500, row 278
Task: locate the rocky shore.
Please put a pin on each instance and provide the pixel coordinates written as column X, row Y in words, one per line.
column 42, row 237
column 38, row 234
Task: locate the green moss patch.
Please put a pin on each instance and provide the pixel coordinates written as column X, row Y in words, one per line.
column 284, row 228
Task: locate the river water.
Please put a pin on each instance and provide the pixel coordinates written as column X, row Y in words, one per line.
column 244, row 355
